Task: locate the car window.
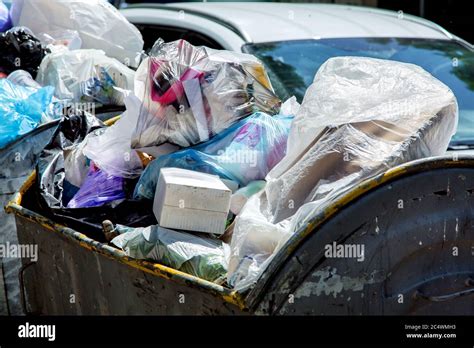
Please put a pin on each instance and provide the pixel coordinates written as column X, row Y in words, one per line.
column 152, row 32
column 293, row 64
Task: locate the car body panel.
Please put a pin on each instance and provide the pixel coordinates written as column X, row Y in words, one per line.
column 172, row 17
column 268, row 22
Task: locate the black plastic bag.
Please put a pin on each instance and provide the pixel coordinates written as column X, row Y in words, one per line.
column 20, row 49
column 53, row 192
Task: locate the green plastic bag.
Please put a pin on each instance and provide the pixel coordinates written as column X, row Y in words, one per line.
column 205, row 258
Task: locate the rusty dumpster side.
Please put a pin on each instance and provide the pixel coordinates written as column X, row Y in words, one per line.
column 416, row 222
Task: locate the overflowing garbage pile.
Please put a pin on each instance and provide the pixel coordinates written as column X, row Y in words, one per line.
column 207, row 171
column 58, row 54
column 200, row 124
column 360, row 117
column 67, row 57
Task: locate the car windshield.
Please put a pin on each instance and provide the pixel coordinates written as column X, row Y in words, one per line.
column 292, row 65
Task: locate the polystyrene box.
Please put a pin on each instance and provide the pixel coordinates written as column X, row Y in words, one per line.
column 192, row 201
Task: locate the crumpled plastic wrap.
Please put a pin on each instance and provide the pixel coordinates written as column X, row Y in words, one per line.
column 87, row 76
column 99, row 24
column 111, row 150
column 205, row 258
column 244, row 152
column 61, row 161
column 191, row 93
column 192, row 84
column 360, row 117
column 50, row 170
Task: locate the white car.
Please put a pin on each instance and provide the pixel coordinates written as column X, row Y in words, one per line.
column 293, row 40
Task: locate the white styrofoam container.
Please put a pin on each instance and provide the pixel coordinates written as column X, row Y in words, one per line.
column 191, row 201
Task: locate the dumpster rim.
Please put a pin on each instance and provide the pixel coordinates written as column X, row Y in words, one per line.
column 257, row 289
column 40, row 128
column 236, row 297
column 47, row 125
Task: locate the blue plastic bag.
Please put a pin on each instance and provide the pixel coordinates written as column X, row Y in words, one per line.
column 5, row 21
column 22, row 109
column 243, row 153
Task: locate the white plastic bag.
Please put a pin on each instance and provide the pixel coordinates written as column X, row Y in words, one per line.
column 99, row 24
column 67, row 38
column 360, row 117
column 85, row 76
column 76, row 165
column 111, row 150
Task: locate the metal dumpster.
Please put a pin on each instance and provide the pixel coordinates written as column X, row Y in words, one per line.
column 416, row 222
column 17, row 160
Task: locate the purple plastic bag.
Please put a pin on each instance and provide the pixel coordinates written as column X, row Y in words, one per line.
column 98, row 188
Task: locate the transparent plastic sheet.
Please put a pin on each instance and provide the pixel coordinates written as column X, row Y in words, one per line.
column 22, row 109
column 360, row 117
column 67, row 38
column 87, row 76
column 171, row 123
column 244, row 152
column 99, row 24
column 20, row 49
column 191, row 93
column 53, row 191
column 203, row 257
